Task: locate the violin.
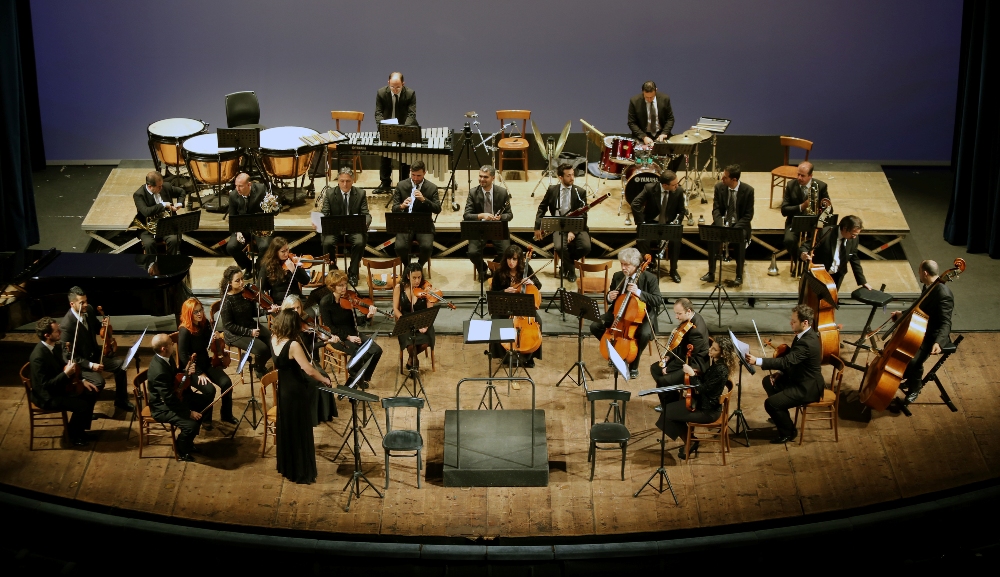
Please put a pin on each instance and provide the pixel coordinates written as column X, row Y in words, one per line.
column 220, row 355
column 629, row 314
column 780, row 350
column 253, row 293
column 305, row 261
column 688, row 392
column 528, row 336
column 75, row 385
column 351, row 300
column 109, row 345
column 182, row 381
column 824, row 306
column 433, row 296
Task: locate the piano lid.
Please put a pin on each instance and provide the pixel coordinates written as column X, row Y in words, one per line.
column 134, row 267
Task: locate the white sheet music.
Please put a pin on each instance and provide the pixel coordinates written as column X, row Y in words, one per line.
column 134, row 348
column 390, row 121
column 479, row 330
column 317, row 220
column 508, row 334
column 742, row 347
column 619, row 362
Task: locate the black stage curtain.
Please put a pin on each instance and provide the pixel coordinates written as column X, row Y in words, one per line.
column 974, row 214
column 21, row 132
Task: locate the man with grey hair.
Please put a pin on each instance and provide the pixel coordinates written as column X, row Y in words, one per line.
column 487, row 202
column 938, row 305
column 166, row 406
column 346, row 200
column 246, row 199
column 644, row 286
column 395, row 102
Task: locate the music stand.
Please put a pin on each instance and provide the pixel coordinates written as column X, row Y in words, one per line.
column 406, row 133
column 662, row 233
column 178, row 224
column 344, row 225
column 801, row 225
column 407, row 222
column 483, row 230
column 500, row 331
column 719, row 234
column 239, row 137
column 260, row 222
column 503, row 304
column 741, row 421
column 408, row 325
column 584, row 307
column 557, row 225
column 353, row 384
column 354, row 396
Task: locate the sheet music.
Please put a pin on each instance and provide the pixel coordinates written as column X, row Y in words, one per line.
column 246, row 356
column 508, row 334
column 742, row 347
column 361, row 351
column 317, row 220
column 479, row 330
column 390, row 121
column 134, row 348
column 619, row 362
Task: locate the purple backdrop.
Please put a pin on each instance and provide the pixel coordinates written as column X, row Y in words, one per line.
column 864, row 80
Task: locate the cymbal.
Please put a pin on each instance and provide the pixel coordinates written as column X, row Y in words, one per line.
column 562, row 138
column 539, row 140
column 688, row 137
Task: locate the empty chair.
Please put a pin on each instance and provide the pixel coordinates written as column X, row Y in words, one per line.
column 243, row 110
column 613, row 432
column 402, row 439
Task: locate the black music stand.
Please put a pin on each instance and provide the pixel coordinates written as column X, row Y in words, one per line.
column 483, row 230
column 663, row 233
column 584, row 307
column 561, row 225
column 260, row 222
column 408, row 325
column 178, row 224
column 660, row 472
column 741, row 420
column 504, row 304
column 407, row 222
column 353, row 384
column 494, row 336
column 408, row 133
column 720, row 234
column 354, row 395
column 344, row 225
column 801, row 225
column 239, row 137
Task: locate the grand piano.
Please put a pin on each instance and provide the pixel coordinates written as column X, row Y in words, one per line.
column 35, row 284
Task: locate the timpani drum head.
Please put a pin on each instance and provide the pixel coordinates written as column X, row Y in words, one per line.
column 176, row 127
column 285, row 138
column 205, row 145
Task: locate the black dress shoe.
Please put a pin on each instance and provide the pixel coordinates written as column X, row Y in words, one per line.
column 185, row 457
column 911, row 397
column 658, row 408
column 708, row 277
column 353, row 280
column 694, row 449
column 230, row 419
column 126, row 406
column 674, row 276
column 633, row 373
column 363, row 385
column 782, row 439
column 738, row 281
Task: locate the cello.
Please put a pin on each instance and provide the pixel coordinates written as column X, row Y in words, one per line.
column 528, row 335
column 825, row 300
column 884, row 374
column 629, row 314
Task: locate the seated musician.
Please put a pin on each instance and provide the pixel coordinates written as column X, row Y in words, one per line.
column 835, row 247
column 394, row 101
column 938, row 306
column 416, row 194
column 650, row 117
column 239, row 318
column 168, row 405
column 487, row 202
column 82, row 326
column 194, row 335
column 50, row 382
column 405, row 300
column 646, row 288
column 512, row 269
column 155, row 200
column 280, row 274
column 733, row 207
column 796, row 201
column 798, row 379
column 560, row 199
column 709, row 385
column 661, row 203
column 670, row 371
column 312, row 342
column 346, row 200
column 343, row 324
column 246, row 199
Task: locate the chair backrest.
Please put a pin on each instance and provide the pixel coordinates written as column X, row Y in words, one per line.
column 622, row 397
column 242, row 108
column 139, row 390
column 270, row 380
column 174, row 338
column 790, row 141
column 838, row 374
column 26, row 380
column 338, row 115
column 395, row 264
column 394, row 402
column 584, row 268
column 522, row 115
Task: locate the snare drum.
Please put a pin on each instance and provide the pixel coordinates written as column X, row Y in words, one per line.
column 210, row 164
column 622, row 150
column 606, row 164
column 166, row 137
column 285, row 155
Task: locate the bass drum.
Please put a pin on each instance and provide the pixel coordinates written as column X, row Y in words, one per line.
column 637, row 177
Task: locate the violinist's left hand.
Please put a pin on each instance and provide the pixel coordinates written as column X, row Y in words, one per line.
column 423, row 330
column 90, row 386
column 371, row 311
column 354, row 339
column 936, row 349
column 192, row 370
column 274, row 309
column 632, row 288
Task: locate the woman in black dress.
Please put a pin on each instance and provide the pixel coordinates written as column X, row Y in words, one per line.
column 194, row 336
column 296, row 408
column 343, row 324
column 405, row 301
column 513, row 268
column 279, row 274
column 313, row 341
column 708, row 388
column 240, row 320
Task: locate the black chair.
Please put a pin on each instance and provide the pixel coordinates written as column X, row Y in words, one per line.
column 611, row 432
column 946, row 351
column 243, row 110
column 400, row 439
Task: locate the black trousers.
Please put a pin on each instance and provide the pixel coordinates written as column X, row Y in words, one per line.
column 81, row 408
column 782, row 396
column 173, row 242
column 261, row 348
column 196, row 399
column 642, row 335
column 675, row 416
column 234, row 248
column 218, row 376
column 374, row 353
column 425, row 248
column 114, row 366
column 357, row 241
column 385, row 172
column 475, row 253
column 571, row 251
column 914, row 371
column 650, row 247
column 741, row 253
column 791, row 241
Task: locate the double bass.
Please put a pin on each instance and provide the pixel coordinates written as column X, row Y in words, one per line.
column 822, row 298
column 629, row 314
column 885, row 372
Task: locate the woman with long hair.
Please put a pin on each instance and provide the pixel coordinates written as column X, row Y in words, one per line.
column 240, row 320
column 280, row 276
column 193, row 337
column 514, row 268
column 313, row 342
column 343, row 324
column 405, row 300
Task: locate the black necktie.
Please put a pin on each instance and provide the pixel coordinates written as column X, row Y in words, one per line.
column 346, row 204
column 650, row 124
column 731, row 211
column 394, row 99
column 488, row 198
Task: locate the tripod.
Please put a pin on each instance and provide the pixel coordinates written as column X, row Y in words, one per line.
column 253, row 405
column 583, row 307
column 354, row 396
column 468, row 150
column 660, row 472
column 741, row 421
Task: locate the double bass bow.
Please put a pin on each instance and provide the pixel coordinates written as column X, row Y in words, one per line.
column 629, row 314
column 824, row 302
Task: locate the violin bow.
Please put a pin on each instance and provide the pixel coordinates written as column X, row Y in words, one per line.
column 521, row 282
column 290, row 281
column 762, row 351
column 216, row 321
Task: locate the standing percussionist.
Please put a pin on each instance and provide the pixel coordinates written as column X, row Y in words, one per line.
column 246, row 199
column 153, row 201
column 938, row 306
column 398, row 102
column 650, row 116
column 416, row 194
column 487, row 202
column 346, row 200
column 732, row 207
column 50, row 380
column 559, row 200
column 802, row 197
column 835, row 247
column 799, row 379
column 660, row 203
column 167, row 404
column 646, row 288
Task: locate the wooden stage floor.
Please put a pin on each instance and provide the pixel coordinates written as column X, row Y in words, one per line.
column 880, row 458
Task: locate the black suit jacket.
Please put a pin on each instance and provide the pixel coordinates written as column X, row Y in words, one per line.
column 47, row 377
column 826, row 244
column 744, row 205
column 938, row 306
column 795, row 195
column 429, row 190
column 357, row 203
column 698, row 336
column 406, row 105
column 550, row 203
column 87, row 350
column 801, row 367
column 646, row 205
column 476, row 203
column 146, row 207
column 250, row 205
column 163, row 403
column 637, row 117
column 649, row 287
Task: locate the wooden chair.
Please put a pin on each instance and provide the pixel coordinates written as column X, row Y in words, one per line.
column 145, row 419
column 594, row 284
column 514, row 147
column 786, row 172
column 400, row 439
column 214, row 310
column 270, row 411
column 394, row 266
column 433, row 362
column 715, row 432
column 336, row 360
column 826, row 408
column 614, row 432
column 317, row 273
column 493, row 266
column 331, row 149
column 36, row 413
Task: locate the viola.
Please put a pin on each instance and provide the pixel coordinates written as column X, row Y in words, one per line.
column 689, row 391
column 305, row 261
column 75, row 385
column 433, row 296
column 780, row 350
column 824, row 306
column 528, row 335
column 629, row 314
column 182, row 381
column 220, row 354
column 253, row 293
column 351, row 300
column 109, row 345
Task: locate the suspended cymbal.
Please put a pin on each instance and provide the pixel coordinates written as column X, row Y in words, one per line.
column 539, row 140
column 562, row 138
column 689, row 137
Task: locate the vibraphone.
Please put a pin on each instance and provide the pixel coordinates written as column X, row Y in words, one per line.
column 435, row 149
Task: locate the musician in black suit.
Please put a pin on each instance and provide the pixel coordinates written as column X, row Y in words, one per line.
column 346, row 200
column 82, row 325
column 50, row 376
column 157, row 199
column 660, row 203
column 416, row 194
column 799, row 380
column 733, row 207
column 650, row 117
column 487, row 202
column 835, row 247
column 795, row 200
column 560, row 199
column 670, row 373
column 646, row 287
column 938, row 306
column 399, row 102
column 164, row 404
column 246, row 199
